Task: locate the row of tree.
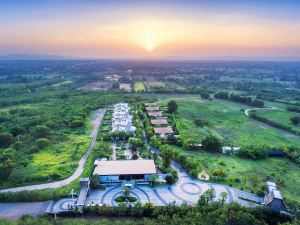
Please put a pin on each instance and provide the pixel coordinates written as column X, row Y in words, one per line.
column 253, row 115
column 238, row 98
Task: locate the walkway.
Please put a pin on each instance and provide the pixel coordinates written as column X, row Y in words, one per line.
column 114, row 152
column 96, row 123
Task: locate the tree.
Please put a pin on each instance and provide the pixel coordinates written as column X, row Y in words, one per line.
column 5, row 140
column 224, row 196
column 135, row 143
column 172, row 106
column 212, row 144
column 41, row 132
column 7, row 162
column 204, row 95
column 208, row 195
column 295, row 120
column 166, row 154
column 170, row 179
column 42, row 143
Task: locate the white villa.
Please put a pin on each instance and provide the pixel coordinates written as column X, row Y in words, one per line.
column 121, row 118
column 114, row 172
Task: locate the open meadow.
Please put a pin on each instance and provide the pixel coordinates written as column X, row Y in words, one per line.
column 228, row 121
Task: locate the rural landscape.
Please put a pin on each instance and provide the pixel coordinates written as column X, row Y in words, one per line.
column 149, row 112
column 47, row 125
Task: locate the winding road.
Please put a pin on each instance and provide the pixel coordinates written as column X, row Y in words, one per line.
column 58, row 184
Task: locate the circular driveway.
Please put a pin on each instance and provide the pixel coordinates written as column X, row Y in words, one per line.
column 191, row 188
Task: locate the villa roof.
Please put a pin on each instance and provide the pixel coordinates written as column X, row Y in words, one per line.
column 150, row 104
column 155, row 114
column 154, row 108
column 159, row 122
column 163, row 130
column 124, row 167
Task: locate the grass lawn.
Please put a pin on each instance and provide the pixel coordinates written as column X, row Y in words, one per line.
column 139, row 86
column 280, row 116
column 253, row 173
column 228, row 121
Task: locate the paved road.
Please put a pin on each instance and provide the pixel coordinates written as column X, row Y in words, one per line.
column 96, row 123
column 14, row 211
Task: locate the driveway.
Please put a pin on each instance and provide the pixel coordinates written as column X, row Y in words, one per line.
column 96, row 123
column 185, row 190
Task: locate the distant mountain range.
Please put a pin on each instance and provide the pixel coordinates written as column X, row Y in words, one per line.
column 167, row 58
column 34, row 57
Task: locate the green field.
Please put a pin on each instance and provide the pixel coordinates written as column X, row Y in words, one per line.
column 228, row 121
column 139, row 86
column 173, row 85
column 253, row 173
column 155, row 84
column 280, row 116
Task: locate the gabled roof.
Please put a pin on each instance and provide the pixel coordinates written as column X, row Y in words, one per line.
column 159, row 122
column 155, row 114
column 163, row 130
column 155, row 108
column 150, row 104
column 125, row 167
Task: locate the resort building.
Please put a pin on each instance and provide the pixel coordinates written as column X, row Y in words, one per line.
column 273, row 197
column 121, row 119
column 113, row 172
column 163, row 131
column 124, row 86
column 155, row 114
column 159, row 122
column 151, row 109
column 150, row 104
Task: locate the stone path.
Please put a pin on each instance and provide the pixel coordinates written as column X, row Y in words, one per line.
column 96, row 122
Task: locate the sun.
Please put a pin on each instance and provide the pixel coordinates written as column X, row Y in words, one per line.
column 150, row 46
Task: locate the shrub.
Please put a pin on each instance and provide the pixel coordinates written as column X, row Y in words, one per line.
column 170, row 179
column 120, row 198
column 132, row 199
column 212, row 144
column 42, row 143
column 222, row 163
column 218, row 172
column 200, row 122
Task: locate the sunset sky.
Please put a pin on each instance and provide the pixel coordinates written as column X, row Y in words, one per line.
column 133, row 29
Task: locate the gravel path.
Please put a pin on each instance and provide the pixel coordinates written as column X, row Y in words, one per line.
column 96, row 123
